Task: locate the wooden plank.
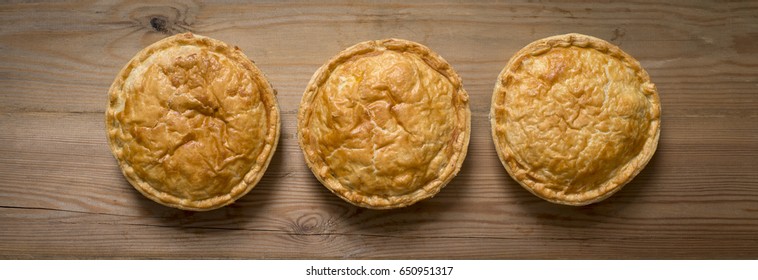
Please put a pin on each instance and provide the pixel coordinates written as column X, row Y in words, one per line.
column 665, row 201
column 62, row 194
column 130, row 238
column 687, row 58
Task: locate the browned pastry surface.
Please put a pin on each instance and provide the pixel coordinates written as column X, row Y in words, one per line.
column 385, row 123
column 192, row 122
column 574, row 118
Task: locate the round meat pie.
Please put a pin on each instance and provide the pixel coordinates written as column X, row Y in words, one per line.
column 192, row 122
column 574, row 118
column 385, row 124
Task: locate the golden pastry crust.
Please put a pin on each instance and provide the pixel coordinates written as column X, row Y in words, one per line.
column 574, row 118
column 385, row 124
column 192, row 122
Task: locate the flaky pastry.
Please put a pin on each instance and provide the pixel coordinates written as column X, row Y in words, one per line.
column 192, row 122
column 574, row 118
column 384, row 124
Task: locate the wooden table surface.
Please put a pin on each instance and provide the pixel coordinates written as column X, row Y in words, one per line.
column 62, row 194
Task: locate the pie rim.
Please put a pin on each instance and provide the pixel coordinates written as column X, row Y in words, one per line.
column 317, row 165
column 629, row 170
column 268, row 97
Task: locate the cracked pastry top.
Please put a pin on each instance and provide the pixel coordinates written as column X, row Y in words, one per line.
column 192, row 122
column 384, row 124
column 574, row 118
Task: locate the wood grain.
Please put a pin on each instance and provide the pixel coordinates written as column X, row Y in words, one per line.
column 63, row 196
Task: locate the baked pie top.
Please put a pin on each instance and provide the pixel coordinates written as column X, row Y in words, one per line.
column 384, row 123
column 192, row 122
column 574, row 118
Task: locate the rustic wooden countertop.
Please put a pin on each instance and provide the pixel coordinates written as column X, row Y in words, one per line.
column 62, row 194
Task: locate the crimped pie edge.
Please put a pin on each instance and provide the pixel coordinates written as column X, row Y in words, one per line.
column 251, row 178
column 316, row 165
column 629, row 170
